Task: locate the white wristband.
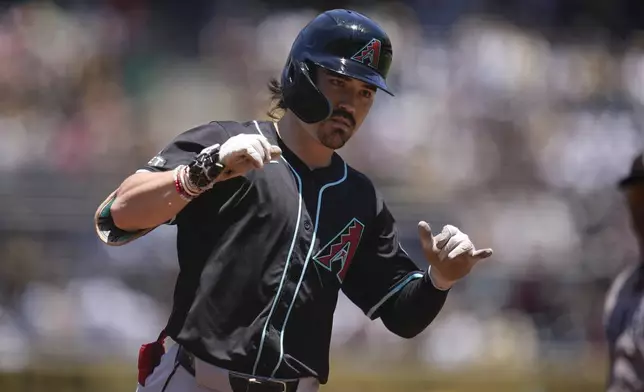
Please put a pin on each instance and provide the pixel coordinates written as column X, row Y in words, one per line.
column 438, row 281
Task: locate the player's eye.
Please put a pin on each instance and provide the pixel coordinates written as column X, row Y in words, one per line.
column 337, row 82
column 366, row 93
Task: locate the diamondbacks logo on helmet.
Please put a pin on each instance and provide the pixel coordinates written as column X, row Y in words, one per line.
column 341, row 249
column 369, row 54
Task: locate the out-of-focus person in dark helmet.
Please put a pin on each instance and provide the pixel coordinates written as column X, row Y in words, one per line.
column 624, row 306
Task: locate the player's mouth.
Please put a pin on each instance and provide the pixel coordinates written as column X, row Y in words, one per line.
column 343, row 122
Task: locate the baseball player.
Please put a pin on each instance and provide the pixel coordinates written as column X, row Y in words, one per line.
column 272, row 223
column 624, row 306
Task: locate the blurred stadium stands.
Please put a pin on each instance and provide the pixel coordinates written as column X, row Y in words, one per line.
column 512, row 120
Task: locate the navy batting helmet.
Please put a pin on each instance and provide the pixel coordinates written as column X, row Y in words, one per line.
column 636, row 175
column 341, row 41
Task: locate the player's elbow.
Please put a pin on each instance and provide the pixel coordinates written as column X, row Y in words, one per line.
column 128, row 209
column 406, row 333
column 129, row 214
column 405, row 330
column 120, row 214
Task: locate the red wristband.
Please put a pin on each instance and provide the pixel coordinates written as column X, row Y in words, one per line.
column 178, row 186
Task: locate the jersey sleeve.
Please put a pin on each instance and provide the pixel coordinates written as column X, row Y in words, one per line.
column 185, row 147
column 381, row 267
column 180, row 151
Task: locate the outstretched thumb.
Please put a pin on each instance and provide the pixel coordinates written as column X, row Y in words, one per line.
column 426, row 237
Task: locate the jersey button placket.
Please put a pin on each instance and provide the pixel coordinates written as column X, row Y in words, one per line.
column 292, row 275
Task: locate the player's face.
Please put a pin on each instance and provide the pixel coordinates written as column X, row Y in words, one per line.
column 350, row 100
column 635, row 197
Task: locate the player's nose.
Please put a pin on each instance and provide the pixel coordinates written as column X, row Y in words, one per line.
column 347, row 107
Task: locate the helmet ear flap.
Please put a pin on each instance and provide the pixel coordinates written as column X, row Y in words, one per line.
column 301, row 95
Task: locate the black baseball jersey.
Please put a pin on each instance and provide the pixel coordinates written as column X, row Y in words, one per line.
column 262, row 258
column 624, row 323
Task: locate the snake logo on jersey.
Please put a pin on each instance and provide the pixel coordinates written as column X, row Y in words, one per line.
column 369, row 54
column 341, row 249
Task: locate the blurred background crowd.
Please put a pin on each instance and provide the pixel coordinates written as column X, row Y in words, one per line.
column 513, row 119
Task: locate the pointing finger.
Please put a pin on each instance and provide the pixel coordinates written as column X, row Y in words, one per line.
column 275, row 152
column 266, row 149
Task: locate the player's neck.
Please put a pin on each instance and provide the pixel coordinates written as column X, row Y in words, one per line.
column 308, row 149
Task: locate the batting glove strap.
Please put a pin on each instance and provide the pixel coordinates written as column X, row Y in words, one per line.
column 203, row 170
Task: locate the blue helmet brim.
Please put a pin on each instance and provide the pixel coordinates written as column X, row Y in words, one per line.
column 352, row 69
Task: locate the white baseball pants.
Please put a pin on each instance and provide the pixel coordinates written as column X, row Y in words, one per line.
column 169, row 377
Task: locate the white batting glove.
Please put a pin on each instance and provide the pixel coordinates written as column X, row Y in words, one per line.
column 451, row 254
column 242, row 153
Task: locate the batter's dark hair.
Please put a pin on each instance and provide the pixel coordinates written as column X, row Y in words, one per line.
column 277, row 99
